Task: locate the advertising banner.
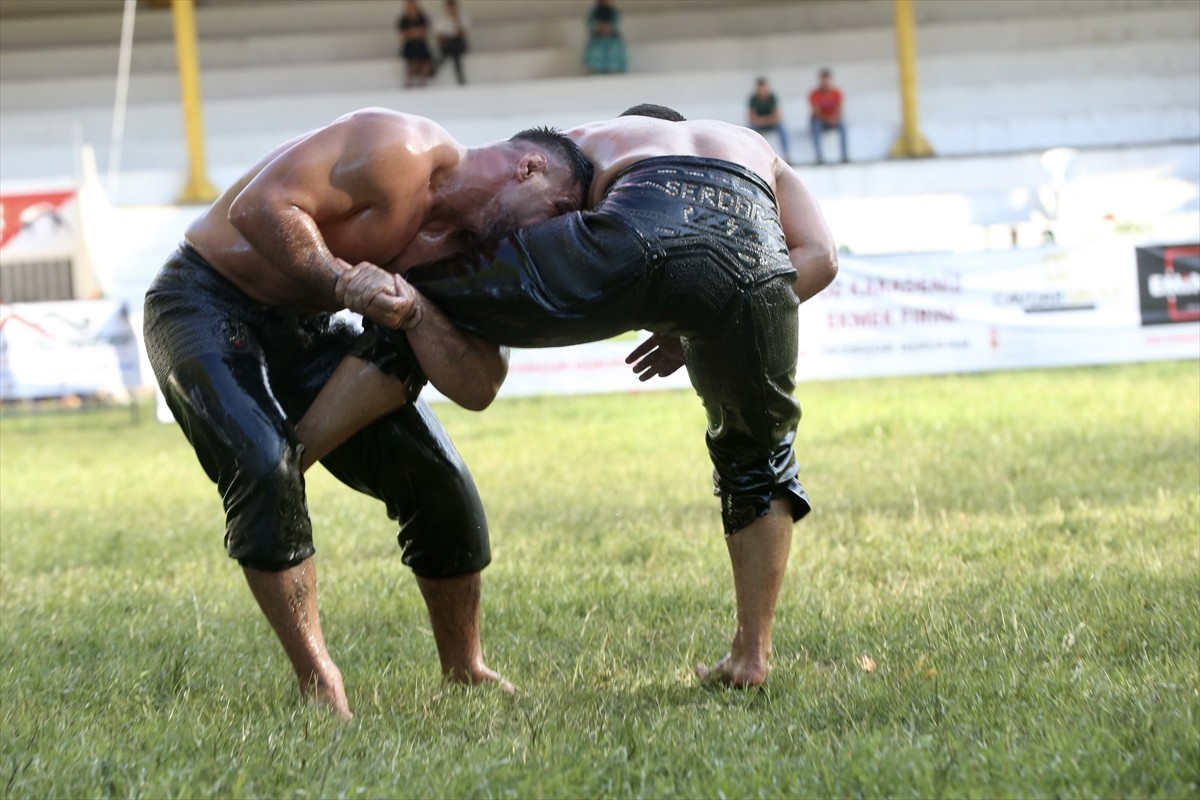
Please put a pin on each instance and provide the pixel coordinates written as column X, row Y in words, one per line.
column 1169, row 284
column 964, row 312
column 38, row 221
column 907, row 314
column 84, row 348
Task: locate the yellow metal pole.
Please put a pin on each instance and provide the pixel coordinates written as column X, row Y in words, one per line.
column 911, row 143
column 198, row 188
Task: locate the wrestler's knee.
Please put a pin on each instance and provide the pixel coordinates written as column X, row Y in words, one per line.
column 267, row 524
column 446, row 541
column 748, row 482
column 430, row 558
column 739, row 508
column 448, row 535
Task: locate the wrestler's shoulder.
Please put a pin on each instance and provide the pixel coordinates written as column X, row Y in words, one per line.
column 392, row 123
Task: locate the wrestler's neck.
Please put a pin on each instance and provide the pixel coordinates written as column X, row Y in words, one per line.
column 461, row 192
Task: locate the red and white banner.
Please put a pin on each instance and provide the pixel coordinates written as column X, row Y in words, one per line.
column 85, row 348
column 39, row 222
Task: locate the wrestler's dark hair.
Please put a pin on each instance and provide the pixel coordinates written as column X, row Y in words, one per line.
column 654, row 110
column 561, row 145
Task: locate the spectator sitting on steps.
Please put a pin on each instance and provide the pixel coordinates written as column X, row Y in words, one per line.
column 826, row 104
column 764, row 115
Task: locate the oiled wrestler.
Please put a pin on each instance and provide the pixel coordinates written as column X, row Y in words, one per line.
column 701, row 235
column 241, row 337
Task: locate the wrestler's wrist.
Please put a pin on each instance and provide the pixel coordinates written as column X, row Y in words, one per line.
column 340, row 272
column 417, row 316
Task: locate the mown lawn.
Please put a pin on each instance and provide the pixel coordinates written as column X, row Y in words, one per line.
column 1017, row 555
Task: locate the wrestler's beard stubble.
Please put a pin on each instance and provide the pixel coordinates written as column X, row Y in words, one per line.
column 502, row 223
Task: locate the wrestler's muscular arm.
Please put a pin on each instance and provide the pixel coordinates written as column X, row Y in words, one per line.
column 466, row 369
column 331, row 181
column 359, row 189
column 809, row 240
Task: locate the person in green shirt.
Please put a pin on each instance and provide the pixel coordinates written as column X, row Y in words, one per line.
column 764, row 116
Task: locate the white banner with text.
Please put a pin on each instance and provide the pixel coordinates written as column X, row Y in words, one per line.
column 1113, row 302
column 966, row 312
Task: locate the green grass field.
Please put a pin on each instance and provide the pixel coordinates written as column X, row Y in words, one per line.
column 1017, row 553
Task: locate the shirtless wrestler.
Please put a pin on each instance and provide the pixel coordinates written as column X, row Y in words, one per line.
column 701, row 235
column 241, row 336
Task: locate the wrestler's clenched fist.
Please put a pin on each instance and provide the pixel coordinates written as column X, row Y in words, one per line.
column 379, row 295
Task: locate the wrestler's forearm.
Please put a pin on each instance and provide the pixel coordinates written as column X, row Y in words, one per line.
column 289, row 237
column 463, row 367
column 356, row 395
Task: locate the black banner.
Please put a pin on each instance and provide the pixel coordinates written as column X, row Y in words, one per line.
column 1169, row 283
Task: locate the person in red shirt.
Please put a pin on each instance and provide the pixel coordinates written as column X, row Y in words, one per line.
column 826, row 104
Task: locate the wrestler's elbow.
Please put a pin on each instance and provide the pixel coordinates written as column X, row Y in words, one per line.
column 476, row 397
column 478, row 394
column 489, row 386
column 827, row 266
column 815, row 270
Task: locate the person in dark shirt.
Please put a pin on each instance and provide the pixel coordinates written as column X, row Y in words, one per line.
column 413, row 30
column 764, row 115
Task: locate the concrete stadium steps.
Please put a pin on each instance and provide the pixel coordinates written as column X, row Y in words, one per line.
column 357, row 36
column 282, row 62
column 1108, row 109
column 785, row 57
column 1125, row 71
column 511, row 23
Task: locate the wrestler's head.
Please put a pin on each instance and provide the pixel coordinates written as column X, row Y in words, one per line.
column 553, row 177
column 654, row 110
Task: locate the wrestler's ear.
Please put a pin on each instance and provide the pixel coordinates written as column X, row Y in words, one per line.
column 532, row 163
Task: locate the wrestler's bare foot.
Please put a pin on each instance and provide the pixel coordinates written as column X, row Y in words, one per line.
column 453, row 605
column 740, row 671
column 758, row 553
column 329, row 691
column 479, row 673
column 288, row 598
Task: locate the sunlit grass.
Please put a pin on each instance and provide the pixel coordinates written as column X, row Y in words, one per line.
column 1017, row 554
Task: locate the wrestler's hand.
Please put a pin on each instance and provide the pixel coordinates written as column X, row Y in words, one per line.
column 378, row 295
column 659, row 355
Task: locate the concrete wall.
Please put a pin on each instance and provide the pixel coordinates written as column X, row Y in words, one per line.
column 1000, row 79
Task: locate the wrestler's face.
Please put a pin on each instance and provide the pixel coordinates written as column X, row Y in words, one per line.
column 548, row 193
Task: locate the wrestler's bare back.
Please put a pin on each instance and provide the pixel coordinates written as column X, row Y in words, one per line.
column 363, row 187
column 612, row 145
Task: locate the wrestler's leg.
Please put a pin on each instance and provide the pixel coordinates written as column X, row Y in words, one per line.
column 759, row 556
column 745, row 374
column 228, row 413
column 453, row 605
column 408, row 461
column 288, row 599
